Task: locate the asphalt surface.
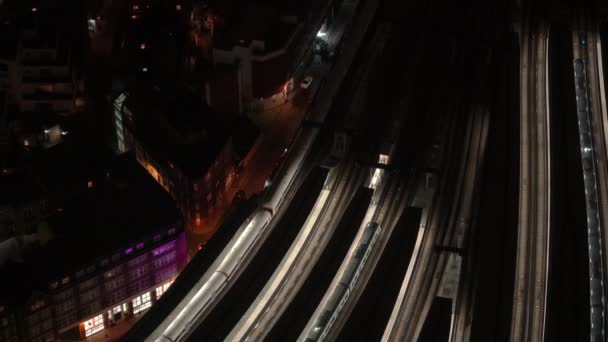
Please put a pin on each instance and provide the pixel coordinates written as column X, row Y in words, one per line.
column 368, row 319
column 237, row 300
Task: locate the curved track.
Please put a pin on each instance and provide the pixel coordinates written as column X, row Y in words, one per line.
column 591, row 114
column 529, row 303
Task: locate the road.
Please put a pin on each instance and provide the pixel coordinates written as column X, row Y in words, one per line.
column 300, row 260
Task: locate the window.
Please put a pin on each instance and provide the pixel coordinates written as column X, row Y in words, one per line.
column 46, row 325
column 171, row 231
column 163, row 248
column 116, row 309
column 137, row 261
column 118, row 295
column 93, row 325
column 164, row 260
column 139, row 245
column 162, row 289
column 65, row 280
column 114, row 283
column 142, row 302
column 157, row 237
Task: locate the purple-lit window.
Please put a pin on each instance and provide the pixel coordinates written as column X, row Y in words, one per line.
column 139, row 245
column 129, row 250
column 164, row 248
column 157, row 237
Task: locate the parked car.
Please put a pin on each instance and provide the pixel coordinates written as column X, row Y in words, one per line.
column 306, row 82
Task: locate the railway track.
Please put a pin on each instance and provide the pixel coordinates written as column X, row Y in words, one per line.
column 529, row 303
column 591, row 112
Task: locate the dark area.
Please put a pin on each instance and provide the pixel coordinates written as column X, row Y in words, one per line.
column 240, row 296
column 495, row 241
column 303, row 305
column 568, row 296
column 368, row 319
column 437, row 324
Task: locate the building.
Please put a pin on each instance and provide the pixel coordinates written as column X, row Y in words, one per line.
column 258, row 48
column 103, row 255
column 191, row 153
column 37, row 68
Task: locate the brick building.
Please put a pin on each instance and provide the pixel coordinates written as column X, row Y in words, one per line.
column 190, row 152
column 106, row 254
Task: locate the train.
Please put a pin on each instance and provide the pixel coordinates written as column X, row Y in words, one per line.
column 249, row 233
column 348, row 280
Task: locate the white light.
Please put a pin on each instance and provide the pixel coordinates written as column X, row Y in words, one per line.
column 586, row 149
column 144, row 69
column 47, row 131
column 64, row 133
column 321, row 34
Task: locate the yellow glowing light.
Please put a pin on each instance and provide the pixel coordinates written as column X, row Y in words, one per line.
column 178, row 7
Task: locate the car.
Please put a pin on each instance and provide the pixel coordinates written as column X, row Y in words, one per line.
column 306, row 82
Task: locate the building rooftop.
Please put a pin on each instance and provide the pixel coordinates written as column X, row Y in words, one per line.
column 176, row 127
column 8, row 37
column 116, row 211
column 253, row 21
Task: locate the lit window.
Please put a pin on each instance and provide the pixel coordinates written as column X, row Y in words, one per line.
column 139, row 245
column 93, row 325
column 65, row 280
column 26, row 142
column 116, row 309
column 135, row 7
column 198, row 218
column 134, row 17
column 142, row 302
column 144, row 69
column 178, row 7
column 142, row 46
column 90, row 184
column 34, row 9
column 129, row 250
